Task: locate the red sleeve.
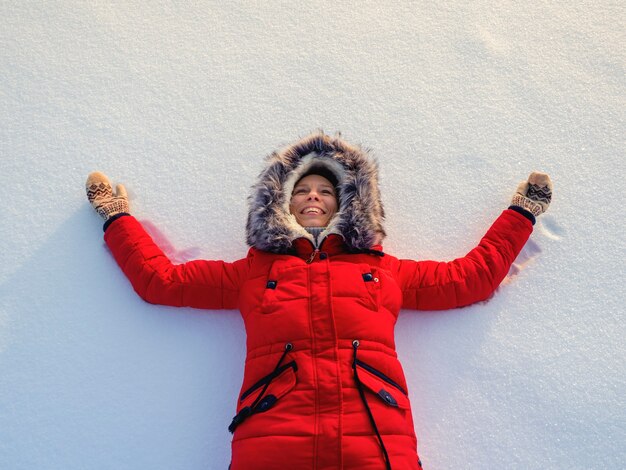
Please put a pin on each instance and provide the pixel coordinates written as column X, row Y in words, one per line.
column 431, row 285
column 199, row 284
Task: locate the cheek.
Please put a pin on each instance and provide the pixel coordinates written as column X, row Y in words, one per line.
column 332, row 205
column 292, row 204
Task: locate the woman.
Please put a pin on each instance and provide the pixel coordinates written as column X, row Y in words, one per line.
column 322, row 387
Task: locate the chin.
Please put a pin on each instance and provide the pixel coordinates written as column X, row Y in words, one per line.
column 313, row 223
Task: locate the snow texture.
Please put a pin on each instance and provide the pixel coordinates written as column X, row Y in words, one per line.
column 182, row 100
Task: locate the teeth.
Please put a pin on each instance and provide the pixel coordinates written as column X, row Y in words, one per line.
column 311, row 210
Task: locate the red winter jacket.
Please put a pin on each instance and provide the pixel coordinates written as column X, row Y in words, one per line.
column 322, row 387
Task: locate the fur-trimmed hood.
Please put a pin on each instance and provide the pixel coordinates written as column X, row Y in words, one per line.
column 359, row 219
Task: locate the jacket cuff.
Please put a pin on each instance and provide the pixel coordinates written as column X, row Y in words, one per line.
column 110, row 220
column 524, row 212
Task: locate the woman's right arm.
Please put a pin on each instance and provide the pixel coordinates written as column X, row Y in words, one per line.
column 199, row 284
column 431, row 285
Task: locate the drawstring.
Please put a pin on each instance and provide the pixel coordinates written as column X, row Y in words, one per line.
column 359, row 386
column 288, row 347
column 248, row 410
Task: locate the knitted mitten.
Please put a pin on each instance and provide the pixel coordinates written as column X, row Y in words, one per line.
column 535, row 194
column 101, row 197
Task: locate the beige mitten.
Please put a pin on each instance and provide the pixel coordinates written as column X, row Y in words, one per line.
column 101, row 197
column 535, row 194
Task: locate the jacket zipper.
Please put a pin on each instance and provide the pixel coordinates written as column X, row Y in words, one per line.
column 313, row 255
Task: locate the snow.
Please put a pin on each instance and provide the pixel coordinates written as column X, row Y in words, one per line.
column 459, row 102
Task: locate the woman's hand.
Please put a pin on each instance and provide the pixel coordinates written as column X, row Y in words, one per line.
column 535, row 194
column 101, row 197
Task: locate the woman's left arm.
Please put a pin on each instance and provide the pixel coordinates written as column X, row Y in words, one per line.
column 431, row 285
column 209, row 284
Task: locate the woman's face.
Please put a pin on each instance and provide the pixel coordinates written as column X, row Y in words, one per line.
column 313, row 201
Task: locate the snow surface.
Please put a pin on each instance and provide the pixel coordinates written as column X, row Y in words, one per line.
column 181, row 102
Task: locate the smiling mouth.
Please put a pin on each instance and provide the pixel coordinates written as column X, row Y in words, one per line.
column 312, row 211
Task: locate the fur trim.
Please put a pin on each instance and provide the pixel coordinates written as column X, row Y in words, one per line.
column 359, row 220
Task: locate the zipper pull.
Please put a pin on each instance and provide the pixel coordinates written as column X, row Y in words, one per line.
column 310, row 260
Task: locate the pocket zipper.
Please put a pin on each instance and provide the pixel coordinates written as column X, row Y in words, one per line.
column 262, row 403
column 269, row 378
column 381, row 376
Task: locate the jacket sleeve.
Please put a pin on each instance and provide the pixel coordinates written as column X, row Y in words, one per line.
column 199, row 284
column 431, row 285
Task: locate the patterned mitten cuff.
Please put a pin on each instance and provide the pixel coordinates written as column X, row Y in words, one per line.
column 101, row 197
column 535, row 194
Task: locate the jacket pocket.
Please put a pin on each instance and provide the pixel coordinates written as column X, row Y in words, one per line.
column 264, row 394
column 281, row 381
column 286, row 286
column 359, row 282
column 387, row 390
column 371, row 281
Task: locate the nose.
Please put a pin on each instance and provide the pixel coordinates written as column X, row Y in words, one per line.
column 313, row 196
